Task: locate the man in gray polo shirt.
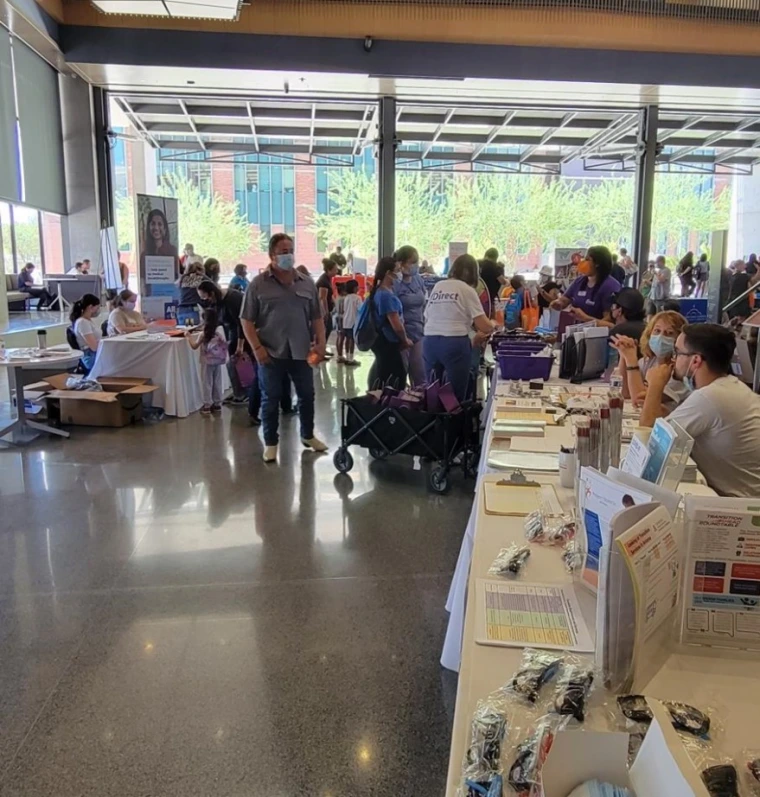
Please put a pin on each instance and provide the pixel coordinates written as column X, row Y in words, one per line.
column 281, row 317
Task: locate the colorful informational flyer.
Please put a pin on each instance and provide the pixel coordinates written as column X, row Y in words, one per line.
column 651, row 553
column 521, row 614
column 722, row 578
column 600, row 499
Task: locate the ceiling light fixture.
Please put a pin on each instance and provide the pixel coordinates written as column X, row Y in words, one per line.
column 227, row 10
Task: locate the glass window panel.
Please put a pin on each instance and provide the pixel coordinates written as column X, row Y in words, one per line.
column 277, row 195
column 52, row 245
column 26, row 229
column 5, row 238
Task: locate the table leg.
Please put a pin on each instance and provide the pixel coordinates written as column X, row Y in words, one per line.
column 21, row 429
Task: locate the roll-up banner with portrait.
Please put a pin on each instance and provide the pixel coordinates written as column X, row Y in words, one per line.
column 157, row 236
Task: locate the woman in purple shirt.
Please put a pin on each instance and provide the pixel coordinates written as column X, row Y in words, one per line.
column 590, row 295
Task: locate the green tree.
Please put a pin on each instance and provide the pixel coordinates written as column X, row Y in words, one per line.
column 125, row 223
column 515, row 213
column 27, row 234
column 684, row 204
column 214, row 225
column 352, row 217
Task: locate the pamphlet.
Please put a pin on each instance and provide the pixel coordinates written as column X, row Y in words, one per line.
column 637, row 457
column 650, row 552
column 660, row 445
column 722, row 573
column 600, row 499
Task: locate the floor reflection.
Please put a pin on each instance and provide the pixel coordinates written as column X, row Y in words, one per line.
column 178, row 618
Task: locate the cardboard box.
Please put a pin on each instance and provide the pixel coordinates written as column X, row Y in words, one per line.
column 118, row 404
column 662, row 767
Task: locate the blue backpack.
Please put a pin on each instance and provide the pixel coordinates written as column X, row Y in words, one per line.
column 365, row 329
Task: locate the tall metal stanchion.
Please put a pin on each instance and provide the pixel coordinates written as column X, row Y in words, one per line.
column 386, row 168
column 646, row 157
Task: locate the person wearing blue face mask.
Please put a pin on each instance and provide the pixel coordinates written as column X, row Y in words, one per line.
column 281, row 316
column 410, row 289
column 720, row 413
column 656, row 345
column 392, row 340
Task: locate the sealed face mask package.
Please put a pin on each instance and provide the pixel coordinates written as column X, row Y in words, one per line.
column 595, row 788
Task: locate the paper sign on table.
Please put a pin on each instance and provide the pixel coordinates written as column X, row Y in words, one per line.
column 519, row 614
column 722, row 579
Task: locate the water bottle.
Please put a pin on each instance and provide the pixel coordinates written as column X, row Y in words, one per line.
column 41, row 339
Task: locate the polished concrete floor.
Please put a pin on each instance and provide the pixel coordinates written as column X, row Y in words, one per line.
column 178, row 618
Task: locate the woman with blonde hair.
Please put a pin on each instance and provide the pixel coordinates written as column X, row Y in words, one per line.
column 657, row 347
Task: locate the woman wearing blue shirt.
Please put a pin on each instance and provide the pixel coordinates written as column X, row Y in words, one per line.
column 410, row 289
column 391, row 338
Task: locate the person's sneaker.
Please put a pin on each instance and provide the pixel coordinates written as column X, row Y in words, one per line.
column 216, row 408
column 254, row 420
column 289, row 411
column 239, row 401
column 206, row 409
column 352, row 362
column 315, row 444
column 342, row 360
column 270, row 454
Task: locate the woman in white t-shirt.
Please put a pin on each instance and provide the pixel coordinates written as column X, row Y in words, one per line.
column 124, row 318
column 87, row 331
column 451, row 312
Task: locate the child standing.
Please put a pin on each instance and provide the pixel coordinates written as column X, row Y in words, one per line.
column 351, row 304
column 213, row 346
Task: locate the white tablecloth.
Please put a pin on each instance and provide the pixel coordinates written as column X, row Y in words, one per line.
column 169, row 363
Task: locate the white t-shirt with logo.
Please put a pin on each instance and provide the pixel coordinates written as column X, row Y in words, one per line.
column 724, row 420
column 452, row 307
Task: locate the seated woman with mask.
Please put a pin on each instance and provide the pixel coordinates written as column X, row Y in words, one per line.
column 657, row 345
column 124, row 318
column 591, row 295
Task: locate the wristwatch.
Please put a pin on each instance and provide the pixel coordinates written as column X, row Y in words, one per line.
column 632, row 368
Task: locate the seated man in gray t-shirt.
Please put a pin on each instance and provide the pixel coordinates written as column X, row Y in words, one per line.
column 721, row 413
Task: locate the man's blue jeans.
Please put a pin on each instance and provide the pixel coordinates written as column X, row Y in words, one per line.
column 271, row 378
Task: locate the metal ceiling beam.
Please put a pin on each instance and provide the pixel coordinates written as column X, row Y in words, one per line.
column 438, row 132
column 495, row 131
column 692, row 121
column 730, row 153
column 365, row 127
column 252, row 123
column 679, row 154
column 617, row 128
column 137, row 123
column 192, row 124
column 547, row 136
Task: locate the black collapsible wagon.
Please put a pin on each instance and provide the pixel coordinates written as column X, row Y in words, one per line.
column 448, row 438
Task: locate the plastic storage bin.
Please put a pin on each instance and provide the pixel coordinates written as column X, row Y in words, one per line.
column 523, row 366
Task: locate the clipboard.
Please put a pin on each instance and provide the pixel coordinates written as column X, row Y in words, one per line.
column 516, row 496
